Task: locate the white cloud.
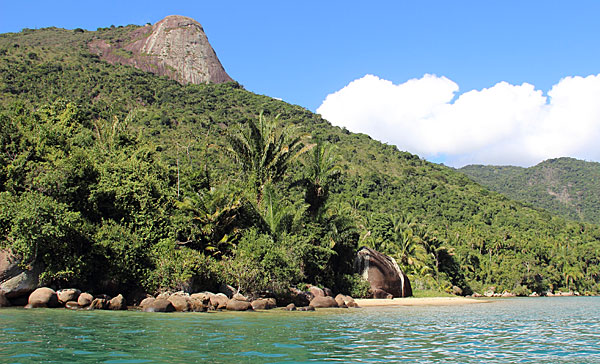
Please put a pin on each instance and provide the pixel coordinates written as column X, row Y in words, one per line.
column 503, row 124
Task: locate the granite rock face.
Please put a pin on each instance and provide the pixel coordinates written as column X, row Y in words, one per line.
column 14, row 280
column 383, row 274
column 176, row 47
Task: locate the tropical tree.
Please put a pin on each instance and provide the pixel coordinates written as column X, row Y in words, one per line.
column 321, row 170
column 266, row 151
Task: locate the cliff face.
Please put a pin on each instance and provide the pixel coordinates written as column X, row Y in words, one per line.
column 176, row 47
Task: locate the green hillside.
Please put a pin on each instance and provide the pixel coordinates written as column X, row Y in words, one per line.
column 112, row 177
column 565, row 186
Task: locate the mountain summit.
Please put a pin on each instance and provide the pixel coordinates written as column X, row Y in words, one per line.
column 176, row 47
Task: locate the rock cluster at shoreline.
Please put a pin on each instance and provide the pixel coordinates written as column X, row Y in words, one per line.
column 208, row 301
column 73, row 298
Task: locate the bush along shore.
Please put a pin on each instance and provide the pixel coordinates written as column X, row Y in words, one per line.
column 228, row 299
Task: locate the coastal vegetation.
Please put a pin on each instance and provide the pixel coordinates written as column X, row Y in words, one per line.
column 114, row 178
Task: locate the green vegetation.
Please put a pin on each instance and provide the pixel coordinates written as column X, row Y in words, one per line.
column 565, row 186
column 111, row 177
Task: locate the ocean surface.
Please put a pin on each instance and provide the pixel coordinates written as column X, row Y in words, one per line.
column 532, row 330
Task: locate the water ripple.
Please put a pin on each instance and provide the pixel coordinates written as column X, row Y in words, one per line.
column 561, row 329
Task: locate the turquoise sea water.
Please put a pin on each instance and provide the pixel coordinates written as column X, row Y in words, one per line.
column 548, row 330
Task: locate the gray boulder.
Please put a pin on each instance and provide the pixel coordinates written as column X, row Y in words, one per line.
column 15, row 281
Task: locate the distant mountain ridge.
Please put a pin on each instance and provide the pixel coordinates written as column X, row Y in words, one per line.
column 566, row 186
column 176, row 47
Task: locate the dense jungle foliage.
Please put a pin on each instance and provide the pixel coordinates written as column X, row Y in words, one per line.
column 111, row 177
column 565, row 186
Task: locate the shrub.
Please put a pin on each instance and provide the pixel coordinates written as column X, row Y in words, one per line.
column 358, row 287
column 180, row 268
column 260, row 264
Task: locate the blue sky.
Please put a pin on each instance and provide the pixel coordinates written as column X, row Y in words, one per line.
column 303, row 51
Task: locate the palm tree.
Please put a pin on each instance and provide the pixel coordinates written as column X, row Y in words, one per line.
column 266, row 151
column 279, row 216
column 218, row 216
column 322, row 168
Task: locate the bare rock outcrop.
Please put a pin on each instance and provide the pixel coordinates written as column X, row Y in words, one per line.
column 383, row 274
column 14, row 280
column 176, row 47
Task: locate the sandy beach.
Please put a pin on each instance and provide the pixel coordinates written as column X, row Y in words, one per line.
column 424, row 301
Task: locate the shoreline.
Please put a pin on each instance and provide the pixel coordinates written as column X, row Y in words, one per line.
column 420, row 301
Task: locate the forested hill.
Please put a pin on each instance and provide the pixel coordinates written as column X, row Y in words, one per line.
column 565, row 186
column 112, row 176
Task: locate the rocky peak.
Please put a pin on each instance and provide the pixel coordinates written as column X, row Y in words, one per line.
column 176, row 47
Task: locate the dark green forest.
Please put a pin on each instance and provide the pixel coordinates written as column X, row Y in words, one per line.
column 114, row 178
column 565, row 186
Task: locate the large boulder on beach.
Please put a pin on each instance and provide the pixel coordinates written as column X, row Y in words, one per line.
column 323, row 302
column 316, row 291
column 219, row 301
column 68, row 294
column 43, row 297
column 198, row 305
column 147, row 301
column 117, row 303
column 85, row 299
column 382, row 273
column 345, row 301
column 235, row 305
column 203, row 297
column 181, row 302
column 14, row 280
column 160, row 305
column 264, row 304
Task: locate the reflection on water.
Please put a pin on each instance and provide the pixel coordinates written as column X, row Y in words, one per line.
column 561, row 329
